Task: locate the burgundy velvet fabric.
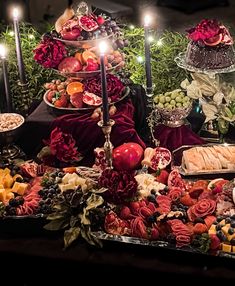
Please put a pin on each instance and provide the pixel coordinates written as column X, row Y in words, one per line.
column 88, row 134
column 173, row 138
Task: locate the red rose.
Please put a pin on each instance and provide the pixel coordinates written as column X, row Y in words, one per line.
column 201, row 209
column 62, row 146
column 121, row 185
column 206, row 29
column 49, row 53
column 114, row 86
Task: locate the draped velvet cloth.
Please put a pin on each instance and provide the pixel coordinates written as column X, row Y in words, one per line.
column 174, row 137
column 88, row 134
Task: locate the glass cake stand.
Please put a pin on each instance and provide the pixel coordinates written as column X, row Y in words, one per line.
column 181, row 62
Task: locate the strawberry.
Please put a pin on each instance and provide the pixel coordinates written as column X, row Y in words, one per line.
column 50, row 95
column 162, row 176
column 199, row 228
column 215, row 242
column 61, row 101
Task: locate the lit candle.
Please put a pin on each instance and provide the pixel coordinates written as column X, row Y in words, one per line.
column 20, row 61
column 5, row 79
column 103, row 49
column 149, row 84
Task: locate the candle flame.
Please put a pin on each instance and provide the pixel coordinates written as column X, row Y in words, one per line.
column 15, row 13
column 147, row 20
column 2, row 51
column 103, row 47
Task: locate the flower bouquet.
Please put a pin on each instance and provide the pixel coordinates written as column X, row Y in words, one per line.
column 216, row 98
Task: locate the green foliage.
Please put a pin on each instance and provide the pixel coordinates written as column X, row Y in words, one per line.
column 166, row 74
column 36, row 74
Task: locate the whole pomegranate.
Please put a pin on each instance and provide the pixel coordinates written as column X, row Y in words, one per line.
column 70, row 64
column 127, row 156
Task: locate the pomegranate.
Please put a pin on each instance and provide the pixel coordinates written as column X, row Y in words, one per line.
column 161, row 158
column 70, row 64
column 175, row 180
column 127, row 156
column 76, row 99
column 91, row 99
column 70, row 34
column 91, row 65
column 87, row 23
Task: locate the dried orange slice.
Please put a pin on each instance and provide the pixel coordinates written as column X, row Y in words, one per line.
column 88, row 55
column 74, row 87
column 78, row 56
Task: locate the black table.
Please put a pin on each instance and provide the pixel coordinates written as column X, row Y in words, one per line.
column 40, row 256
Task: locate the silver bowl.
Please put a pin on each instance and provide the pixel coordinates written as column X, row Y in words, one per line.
column 174, row 117
column 10, row 136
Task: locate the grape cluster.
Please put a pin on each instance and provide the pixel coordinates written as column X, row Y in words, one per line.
column 49, row 192
column 173, row 99
column 13, row 204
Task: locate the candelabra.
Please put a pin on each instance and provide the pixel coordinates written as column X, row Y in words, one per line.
column 108, row 146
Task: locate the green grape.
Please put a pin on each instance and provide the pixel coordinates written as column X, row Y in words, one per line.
column 178, row 104
column 156, row 99
column 186, row 99
column 160, row 105
column 178, row 99
column 168, row 98
column 162, row 99
column 172, row 102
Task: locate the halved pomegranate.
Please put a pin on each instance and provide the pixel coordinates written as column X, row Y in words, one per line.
column 161, row 158
column 87, row 23
column 91, row 99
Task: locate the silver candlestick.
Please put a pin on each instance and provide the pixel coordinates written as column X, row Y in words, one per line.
column 108, row 146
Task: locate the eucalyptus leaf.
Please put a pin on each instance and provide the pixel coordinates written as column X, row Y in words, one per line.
column 83, row 217
column 99, row 191
column 73, row 220
column 57, row 224
column 94, row 201
column 86, row 234
column 71, row 235
column 55, row 216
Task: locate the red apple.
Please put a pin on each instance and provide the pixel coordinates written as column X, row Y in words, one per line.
column 127, row 156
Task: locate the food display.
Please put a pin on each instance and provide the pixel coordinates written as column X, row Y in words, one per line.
column 211, row 46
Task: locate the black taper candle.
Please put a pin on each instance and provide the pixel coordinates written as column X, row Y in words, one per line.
column 149, row 83
column 6, row 85
column 104, row 91
column 20, row 61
